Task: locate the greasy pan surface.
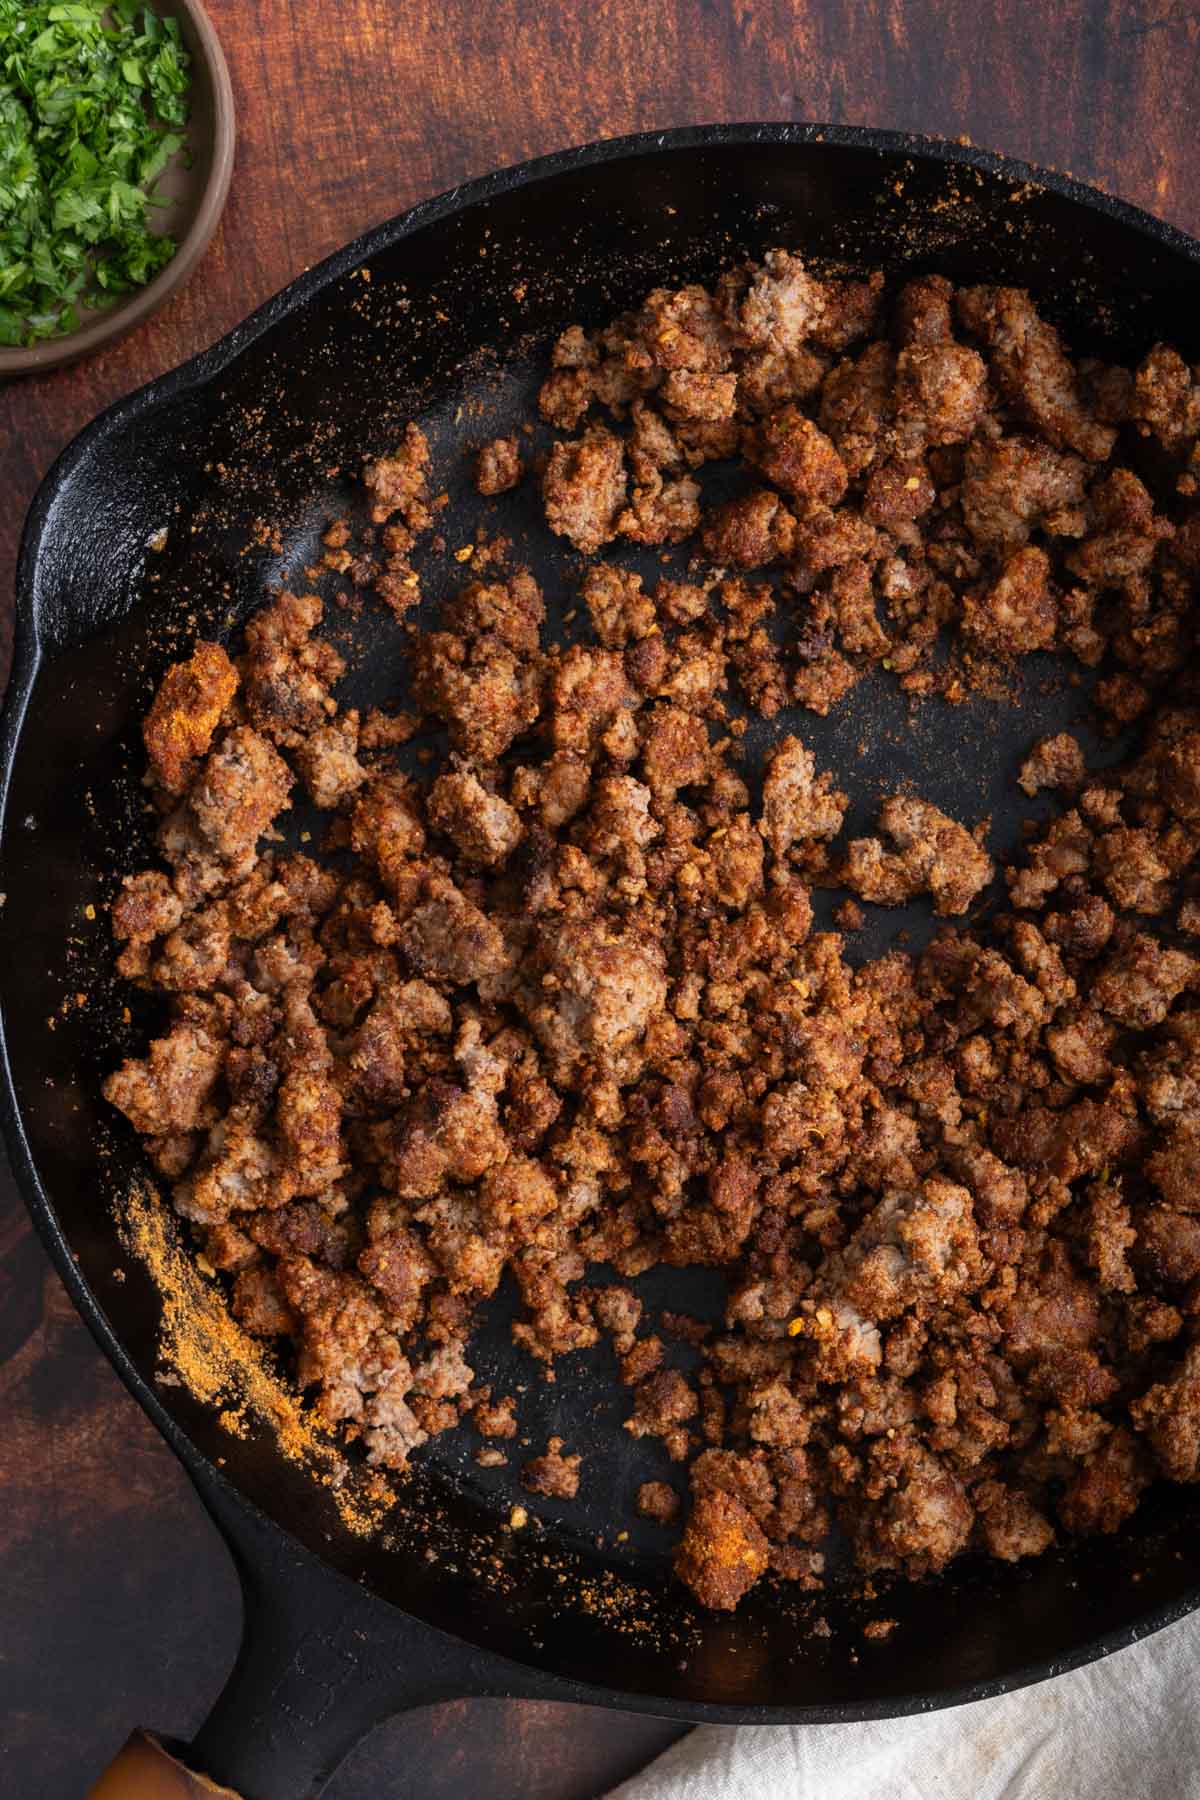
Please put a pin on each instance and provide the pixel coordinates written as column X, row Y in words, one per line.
column 450, row 307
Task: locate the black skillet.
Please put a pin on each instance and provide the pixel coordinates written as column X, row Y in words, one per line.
column 450, row 307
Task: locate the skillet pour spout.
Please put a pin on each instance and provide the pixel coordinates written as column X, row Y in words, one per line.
column 345, row 1627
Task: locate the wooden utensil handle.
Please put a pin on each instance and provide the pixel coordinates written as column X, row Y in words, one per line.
column 145, row 1769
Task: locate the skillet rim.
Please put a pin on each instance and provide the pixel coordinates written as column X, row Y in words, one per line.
column 528, row 1678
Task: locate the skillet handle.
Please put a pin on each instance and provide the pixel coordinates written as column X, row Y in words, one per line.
column 315, row 1672
column 321, row 1663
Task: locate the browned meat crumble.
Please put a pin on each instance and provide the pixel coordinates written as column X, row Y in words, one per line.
column 564, row 1003
column 498, row 466
column 552, row 1474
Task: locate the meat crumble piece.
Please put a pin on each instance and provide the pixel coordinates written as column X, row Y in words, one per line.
column 584, row 487
column 1175, row 1167
column 328, row 761
column 495, row 1418
column 798, row 804
column 241, row 786
column 618, row 1310
column 286, row 671
column 1010, row 1525
column 921, row 1521
column 400, row 483
column 1054, row 762
column 823, row 681
column 658, row 1500
column 1107, row 1488
column 723, row 1551
column 552, row 1474
column 934, row 855
column 485, row 827
column 147, row 907
column 941, row 394
column 794, row 454
column 602, row 993
column 620, row 612
column 744, row 534
column 1138, row 984
column 257, row 1302
column 775, row 306
column 1031, row 367
column 1012, row 486
column 923, row 311
column 857, row 406
column 1131, row 868
column 488, row 694
column 1166, row 398
column 185, row 713
column 1015, row 613
column 170, row 1091
column 498, row 466
column 1179, row 776
column 663, row 1403
column 661, row 512
column 386, row 731
column 1169, row 1415
column 446, row 938
column 511, row 612
column 549, row 1005
column 565, row 396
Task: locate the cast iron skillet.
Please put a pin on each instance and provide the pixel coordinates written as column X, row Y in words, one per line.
column 450, row 307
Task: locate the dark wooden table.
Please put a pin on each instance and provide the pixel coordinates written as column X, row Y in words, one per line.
column 119, row 1603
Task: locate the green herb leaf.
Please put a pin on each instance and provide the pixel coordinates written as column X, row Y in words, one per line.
column 93, row 103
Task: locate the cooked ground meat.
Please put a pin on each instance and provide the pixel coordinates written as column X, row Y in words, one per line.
column 1054, row 762
column 400, row 483
column 498, row 466
column 751, row 531
column 559, row 1000
column 553, row 1474
column 496, row 1418
column 798, row 804
column 187, row 708
column 658, row 1500
column 933, row 855
column 1030, row 366
column 1015, row 612
column 723, row 1551
column 584, row 486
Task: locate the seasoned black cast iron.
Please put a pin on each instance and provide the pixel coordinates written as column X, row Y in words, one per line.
column 462, row 295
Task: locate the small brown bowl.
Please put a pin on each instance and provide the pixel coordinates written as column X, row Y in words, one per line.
column 196, row 197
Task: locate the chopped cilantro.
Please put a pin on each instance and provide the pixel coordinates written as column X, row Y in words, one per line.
column 93, row 105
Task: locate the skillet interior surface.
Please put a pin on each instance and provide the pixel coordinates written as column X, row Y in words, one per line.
column 240, row 460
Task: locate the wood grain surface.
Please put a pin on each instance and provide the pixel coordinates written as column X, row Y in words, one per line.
column 119, row 1602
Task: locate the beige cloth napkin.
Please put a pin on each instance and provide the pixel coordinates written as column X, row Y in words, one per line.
column 1126, row 1728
